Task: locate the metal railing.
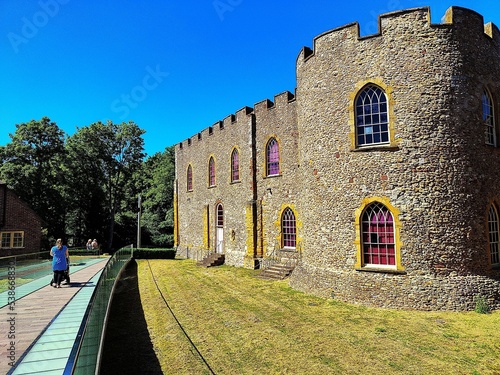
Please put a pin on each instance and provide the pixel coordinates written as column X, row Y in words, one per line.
column 86, row 353
column 283, row 257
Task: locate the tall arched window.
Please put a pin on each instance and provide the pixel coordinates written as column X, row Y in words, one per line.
column 211, row 172
column 377, row 234
column 288, row 229
column 189, row 178
column 493, row 234
column 235, row 165
column 272, row 158
column 489, row 119
column 371, row 116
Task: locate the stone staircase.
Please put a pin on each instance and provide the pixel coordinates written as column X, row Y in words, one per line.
column 277, row 271
column 214, row 259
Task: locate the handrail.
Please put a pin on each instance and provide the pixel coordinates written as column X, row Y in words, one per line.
column 86, row 353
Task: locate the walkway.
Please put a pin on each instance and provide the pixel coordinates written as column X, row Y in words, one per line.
column 40, row 329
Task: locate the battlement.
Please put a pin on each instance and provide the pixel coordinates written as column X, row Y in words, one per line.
column 280, row 100
column 230, row 120
column 468, row 22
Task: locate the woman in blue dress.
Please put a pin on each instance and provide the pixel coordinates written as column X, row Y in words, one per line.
column 59, row 255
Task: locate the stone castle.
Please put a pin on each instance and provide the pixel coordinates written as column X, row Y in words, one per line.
column 378, row 180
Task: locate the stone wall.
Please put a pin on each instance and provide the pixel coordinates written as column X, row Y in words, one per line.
column 274, row 193
column 434, row 171
column 436, row 174
column 196, row 208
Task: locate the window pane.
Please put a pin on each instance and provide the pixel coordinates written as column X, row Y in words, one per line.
column 220, row 215
column 493, row 234
column 488, row 119
column 272, row 157
column 18, row 240
column 190, row 178
column 235, row 166
column 377, row 227
column 5, row 239
column 288, row 228
column 371, row 116
column 211, row 171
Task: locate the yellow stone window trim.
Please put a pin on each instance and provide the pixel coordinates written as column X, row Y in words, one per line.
column 298, row 226
column 280, row 155
column 492, row 206
column 388, row 90
column 397, row 239
column 231, row 181
column 212, row 157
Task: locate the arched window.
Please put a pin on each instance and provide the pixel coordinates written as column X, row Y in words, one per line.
column 272, row 158
column 235, row 165
column 211, row 172
column 371, row 116
column 377, row 235
column 489, row 119
column 189, row 178
column 288, row 229
column 220, row 216
column 493, row 234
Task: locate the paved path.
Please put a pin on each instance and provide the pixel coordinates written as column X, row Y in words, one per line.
column 38, row 324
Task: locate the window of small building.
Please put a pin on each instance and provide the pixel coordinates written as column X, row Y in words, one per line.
column 272, row 158
column 377, row 235
column 288, row 229
column 12, row 239
column 211, row 172
column 235, row 165
column 189, row 178
column 493, row 235
column 489, row 119
column 371, row 116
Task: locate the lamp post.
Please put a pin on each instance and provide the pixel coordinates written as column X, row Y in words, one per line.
column 139, row 223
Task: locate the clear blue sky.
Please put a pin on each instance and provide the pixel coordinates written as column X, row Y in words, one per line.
column 174, row 67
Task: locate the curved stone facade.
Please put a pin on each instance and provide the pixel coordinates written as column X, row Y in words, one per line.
column 434, row 174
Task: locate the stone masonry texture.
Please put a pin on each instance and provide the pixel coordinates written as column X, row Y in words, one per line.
column 436, row 174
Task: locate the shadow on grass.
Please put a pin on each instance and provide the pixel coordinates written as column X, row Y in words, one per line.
column 127, row 345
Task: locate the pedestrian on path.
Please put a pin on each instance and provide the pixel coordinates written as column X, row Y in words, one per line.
column 60, row 255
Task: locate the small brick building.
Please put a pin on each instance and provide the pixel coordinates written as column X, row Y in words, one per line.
column 20, row 226
column 379, row 179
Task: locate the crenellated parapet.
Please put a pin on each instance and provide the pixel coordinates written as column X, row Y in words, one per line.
column 393, row 25
column 280, row 102
column 239, row 118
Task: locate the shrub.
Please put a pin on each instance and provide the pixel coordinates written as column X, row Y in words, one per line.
column 482, row 306
column 154, row 253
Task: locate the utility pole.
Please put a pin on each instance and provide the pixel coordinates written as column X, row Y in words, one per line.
column 139, row 223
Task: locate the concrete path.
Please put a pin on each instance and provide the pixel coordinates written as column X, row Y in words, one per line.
column 37, row 330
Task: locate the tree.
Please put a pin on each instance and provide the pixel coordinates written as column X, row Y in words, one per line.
column 31, row 167
column 158, row 184
column 104, row 159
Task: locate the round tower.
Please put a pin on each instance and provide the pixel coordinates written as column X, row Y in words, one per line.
column 399, row 162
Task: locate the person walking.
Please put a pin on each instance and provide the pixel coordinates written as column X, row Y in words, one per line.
column 59, row 254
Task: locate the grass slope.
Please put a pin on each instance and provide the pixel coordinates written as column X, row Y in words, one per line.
column 244, row 325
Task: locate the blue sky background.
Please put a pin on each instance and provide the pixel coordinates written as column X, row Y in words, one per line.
column 174, row 67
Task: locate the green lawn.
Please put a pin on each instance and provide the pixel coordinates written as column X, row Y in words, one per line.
column 244, row 325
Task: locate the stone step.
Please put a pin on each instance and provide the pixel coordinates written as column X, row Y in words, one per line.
column 276, row 272
column 212, row 260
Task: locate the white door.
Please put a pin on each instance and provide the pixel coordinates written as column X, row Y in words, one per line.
column 220, row 240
